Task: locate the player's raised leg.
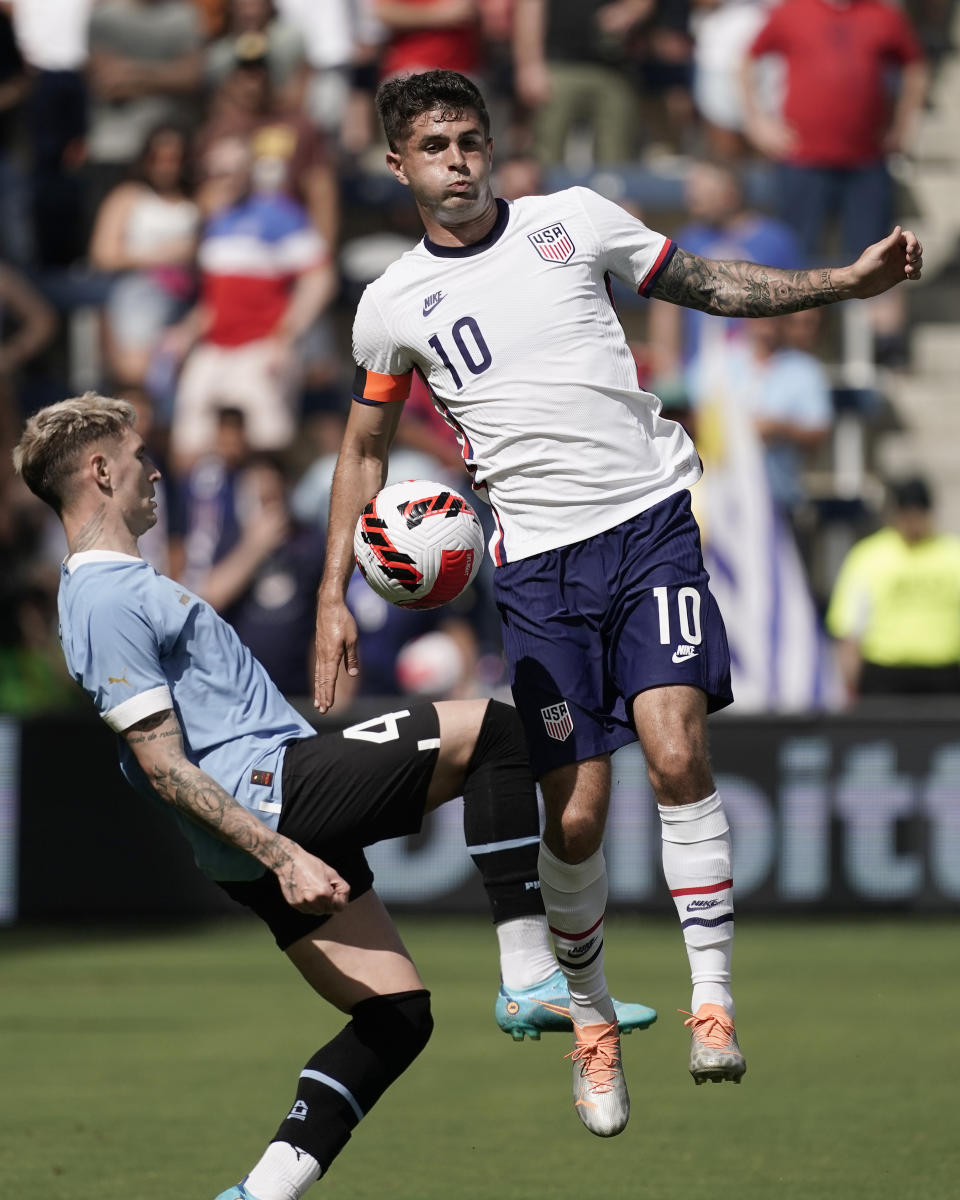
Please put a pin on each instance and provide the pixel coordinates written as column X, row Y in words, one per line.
column 358, row 963
column 483, row 756
column 672, row 725
column 573, row 877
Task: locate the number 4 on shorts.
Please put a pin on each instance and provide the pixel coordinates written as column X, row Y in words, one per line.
column 377, row 729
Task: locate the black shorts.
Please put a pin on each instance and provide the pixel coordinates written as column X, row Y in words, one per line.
column 341, row 792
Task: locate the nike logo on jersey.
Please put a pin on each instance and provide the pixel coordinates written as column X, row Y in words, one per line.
column 431, row 302
column 682, row 653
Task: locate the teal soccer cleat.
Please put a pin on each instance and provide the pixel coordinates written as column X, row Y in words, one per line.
column 545, row 1009
column 237, row 1192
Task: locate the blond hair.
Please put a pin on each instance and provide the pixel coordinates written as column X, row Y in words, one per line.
column 47, row 454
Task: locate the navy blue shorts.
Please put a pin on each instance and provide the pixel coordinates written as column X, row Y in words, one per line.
column 588, row 626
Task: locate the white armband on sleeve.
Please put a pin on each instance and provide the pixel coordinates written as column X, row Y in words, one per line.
column 146, row 704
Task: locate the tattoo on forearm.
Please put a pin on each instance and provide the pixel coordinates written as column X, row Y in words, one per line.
column 177, row 781
column 742, row 289
column 90, row 532
column 205, row 801
column 826, row 283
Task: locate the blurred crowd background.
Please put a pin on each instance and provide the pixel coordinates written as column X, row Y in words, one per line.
column 193, row 196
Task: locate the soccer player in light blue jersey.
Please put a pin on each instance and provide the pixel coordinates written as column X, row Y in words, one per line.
column 278, row 815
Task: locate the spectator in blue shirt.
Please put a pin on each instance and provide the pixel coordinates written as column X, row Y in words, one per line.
column 721, row 226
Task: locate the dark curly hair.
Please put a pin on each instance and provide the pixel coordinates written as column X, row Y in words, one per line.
column 401, row 100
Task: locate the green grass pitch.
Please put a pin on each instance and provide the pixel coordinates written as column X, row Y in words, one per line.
column 155, row 1067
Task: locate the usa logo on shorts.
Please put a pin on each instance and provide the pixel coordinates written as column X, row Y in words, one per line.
column 557, row 721
column 553, row 243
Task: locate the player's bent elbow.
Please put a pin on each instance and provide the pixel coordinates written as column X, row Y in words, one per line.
column 165, row 766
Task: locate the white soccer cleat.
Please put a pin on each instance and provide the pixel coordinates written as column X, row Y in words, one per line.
column 715, row 1054
column 599, row 1087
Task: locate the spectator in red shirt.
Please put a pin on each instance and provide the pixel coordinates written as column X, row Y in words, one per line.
column 838, row 124
column 266, row 276
column 423, row 34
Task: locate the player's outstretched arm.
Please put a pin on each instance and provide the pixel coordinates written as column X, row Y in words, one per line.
column 361, row 470
column 744, row 289
column 307, row 882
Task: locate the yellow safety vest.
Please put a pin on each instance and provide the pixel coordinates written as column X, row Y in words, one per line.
column 900, row 601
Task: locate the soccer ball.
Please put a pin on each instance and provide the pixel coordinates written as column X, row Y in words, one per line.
column 418, row 544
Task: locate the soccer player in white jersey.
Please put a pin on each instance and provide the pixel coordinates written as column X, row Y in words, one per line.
column 611, row 632
column 277, row 814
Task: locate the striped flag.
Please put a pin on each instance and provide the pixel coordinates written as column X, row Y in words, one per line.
column 781, row 659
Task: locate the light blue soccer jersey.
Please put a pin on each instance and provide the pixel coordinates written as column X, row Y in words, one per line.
column 138, row 643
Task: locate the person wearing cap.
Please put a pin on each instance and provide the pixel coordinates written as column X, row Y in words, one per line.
column 254, row 99
column 256, row 33
column 895, row 607
column 266, row 277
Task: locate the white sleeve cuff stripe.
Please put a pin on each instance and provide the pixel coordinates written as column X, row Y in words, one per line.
column 146, row 704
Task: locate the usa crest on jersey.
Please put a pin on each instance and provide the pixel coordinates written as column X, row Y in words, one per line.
column 553, row 243
column 557, row 721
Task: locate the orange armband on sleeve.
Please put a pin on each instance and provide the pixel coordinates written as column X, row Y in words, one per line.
column 372, row 387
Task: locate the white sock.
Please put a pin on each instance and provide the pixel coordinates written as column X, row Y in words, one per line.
column 283, row 1173
column 526, row 956
column 575, row 897
column 696, row 865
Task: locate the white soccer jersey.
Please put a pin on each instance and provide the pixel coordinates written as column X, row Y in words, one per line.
column 518, row 340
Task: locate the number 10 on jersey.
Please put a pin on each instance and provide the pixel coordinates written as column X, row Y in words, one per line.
column 473, row 350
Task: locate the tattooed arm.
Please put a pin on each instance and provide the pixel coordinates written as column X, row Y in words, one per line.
column 744, row 289
column 308, row 884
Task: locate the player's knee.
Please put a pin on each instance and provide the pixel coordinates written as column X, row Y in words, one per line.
column 500, row 738
column 576, row 835
column 396, row 1026
column 679, row 773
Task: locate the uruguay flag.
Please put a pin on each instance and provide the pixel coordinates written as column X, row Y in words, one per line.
column 780, row 657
